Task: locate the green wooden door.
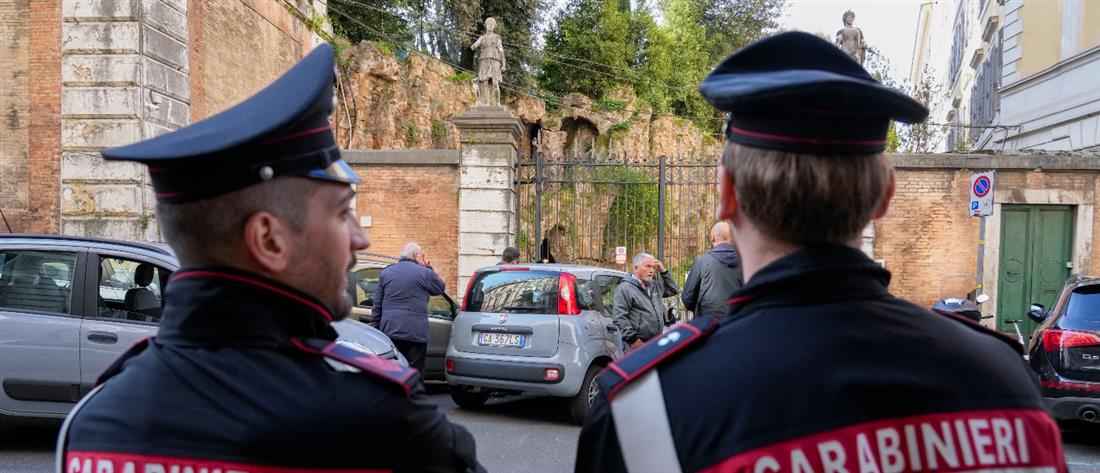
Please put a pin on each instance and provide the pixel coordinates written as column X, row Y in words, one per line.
column 1036, row 249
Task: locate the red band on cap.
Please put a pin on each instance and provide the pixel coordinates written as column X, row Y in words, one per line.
column 799, row 139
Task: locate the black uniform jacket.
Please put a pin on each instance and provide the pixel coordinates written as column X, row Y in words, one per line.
column 236, row 380
column 818, row 368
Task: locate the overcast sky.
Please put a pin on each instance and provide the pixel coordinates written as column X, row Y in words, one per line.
column 887, row 25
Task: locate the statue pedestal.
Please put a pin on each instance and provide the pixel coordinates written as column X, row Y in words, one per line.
column 489, row 138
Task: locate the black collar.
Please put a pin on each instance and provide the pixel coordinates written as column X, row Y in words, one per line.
column 821, row 271
column 224, row 306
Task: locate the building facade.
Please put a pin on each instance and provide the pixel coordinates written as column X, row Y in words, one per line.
column 84, row 75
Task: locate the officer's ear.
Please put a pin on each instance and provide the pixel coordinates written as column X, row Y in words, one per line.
column 268, row 240
column 727, row 196
column 887, row 196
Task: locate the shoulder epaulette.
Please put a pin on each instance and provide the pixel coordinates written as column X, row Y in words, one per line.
column 1004, row 337
column 407, row 378
column 636, row 363
column 116, row 366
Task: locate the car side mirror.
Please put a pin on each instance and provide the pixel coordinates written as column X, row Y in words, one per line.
column 1036, row 312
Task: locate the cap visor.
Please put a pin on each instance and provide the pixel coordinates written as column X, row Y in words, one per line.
column 338, row 171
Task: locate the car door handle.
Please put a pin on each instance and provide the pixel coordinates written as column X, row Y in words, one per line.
column 102, row 337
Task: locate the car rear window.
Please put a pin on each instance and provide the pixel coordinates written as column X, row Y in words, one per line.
column 1083, row 309
column 525, row 292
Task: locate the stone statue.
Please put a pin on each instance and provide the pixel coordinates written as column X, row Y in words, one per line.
column 850, row 39
column 490, row 65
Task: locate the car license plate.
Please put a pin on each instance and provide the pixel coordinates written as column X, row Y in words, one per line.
column 501, row 339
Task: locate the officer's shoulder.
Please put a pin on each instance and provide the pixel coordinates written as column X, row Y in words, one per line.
column 629, row 368
column 970, row 327
column 346, row 358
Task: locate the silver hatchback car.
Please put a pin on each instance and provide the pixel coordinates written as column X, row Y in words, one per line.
column 535, row 329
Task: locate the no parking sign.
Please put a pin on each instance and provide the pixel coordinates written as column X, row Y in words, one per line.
column 981, row 194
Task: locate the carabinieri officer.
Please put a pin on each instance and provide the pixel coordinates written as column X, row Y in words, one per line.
column 244, row 374
column 817, row 367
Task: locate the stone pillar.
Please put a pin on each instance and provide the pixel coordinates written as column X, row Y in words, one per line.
column 489, row 138
column 124, row 78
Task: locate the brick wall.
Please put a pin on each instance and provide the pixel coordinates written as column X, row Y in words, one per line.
column 14, row 106
column 44, row 124
column 237, row 48
column 413, row 203
column 930, row 243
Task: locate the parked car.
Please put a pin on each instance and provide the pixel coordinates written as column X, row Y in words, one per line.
column 442, row 309
column 539, row 329
column 69, row 306
column 1065, row 350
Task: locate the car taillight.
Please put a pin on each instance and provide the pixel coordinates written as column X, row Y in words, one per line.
column 1055, row 340
column 450, row 365
column 466, row 295
column 567, row 295
column 551, row 374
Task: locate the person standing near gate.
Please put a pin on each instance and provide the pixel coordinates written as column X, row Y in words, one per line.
column 639, row 310
column 714, row 276
column 245, row 373
column 817, row 367
column 401, row 302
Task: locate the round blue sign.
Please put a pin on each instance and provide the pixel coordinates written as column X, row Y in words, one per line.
column 982, row 186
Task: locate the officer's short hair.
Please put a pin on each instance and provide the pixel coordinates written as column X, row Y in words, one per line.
column 804, row 198
column 639, row 259
column 207, row 230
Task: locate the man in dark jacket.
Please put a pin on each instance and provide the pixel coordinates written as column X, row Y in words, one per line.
column 245, row 373
column 401, row 302
column 817, row 367
column 639, row 310
column 714, row 276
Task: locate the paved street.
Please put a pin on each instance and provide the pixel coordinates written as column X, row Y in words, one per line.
column 513, row 434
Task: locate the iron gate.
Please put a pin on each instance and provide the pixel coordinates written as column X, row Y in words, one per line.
column 578, row 210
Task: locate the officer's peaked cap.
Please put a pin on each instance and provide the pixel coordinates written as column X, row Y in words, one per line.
column 797, row 92
column 283, row 130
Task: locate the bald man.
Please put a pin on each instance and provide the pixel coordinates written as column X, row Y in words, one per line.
column 714, row 276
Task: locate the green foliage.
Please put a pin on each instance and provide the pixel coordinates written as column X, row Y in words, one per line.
column 439, row 130
column 618, row 128
column 462, row 77
column 367, row 23
column 143, row 222
column 587, row 33
column 412, row 132
column 633, row 211
column 610, row 105
column 385, row 48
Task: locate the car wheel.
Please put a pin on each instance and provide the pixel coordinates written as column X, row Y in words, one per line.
column 467, row 399
column 586, row 397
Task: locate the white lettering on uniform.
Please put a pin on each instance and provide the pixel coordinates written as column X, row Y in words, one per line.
column 1021, row 441
column 964, row 442
column 832, row 456
column 867, row 462
column 935, row 443
column 154, row 468
column 74, row 465
column 799, row 462
column 87, row 466
column 105, row 466
column 889, row 454
column 129, row 467
column 1002, row 434
column 982, row 441
column 766, row 463
column 911, row 442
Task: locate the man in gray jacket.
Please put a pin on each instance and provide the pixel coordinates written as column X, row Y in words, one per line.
column 639, row 311
column 714, row 276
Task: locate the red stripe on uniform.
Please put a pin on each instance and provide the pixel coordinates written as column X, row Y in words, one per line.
column 299, row 134
column 83, row 461
column 798, row 139
column 1017, row 440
